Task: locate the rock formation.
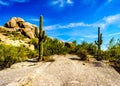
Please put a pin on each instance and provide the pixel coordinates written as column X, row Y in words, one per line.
column 19, row 24
column 62, row 72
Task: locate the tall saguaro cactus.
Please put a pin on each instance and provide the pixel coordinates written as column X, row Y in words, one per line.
column 99, row 43
column 42, row 37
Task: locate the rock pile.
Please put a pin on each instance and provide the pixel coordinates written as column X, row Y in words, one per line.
column 19, row 24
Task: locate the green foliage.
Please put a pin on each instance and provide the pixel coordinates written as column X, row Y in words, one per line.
column 89, row 47
column 82, row 53
column 70, row 47
column 83, row 49
column 113, row 53
column 54, row 46
column 10, row 55
column 12, row 34
column 74, row 42
column 16, row 36
column 34, row 41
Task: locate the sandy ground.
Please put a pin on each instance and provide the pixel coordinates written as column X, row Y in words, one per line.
column 65, row 71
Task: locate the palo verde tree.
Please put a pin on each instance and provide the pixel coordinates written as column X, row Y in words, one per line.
column 42, row 38
column 99, row 43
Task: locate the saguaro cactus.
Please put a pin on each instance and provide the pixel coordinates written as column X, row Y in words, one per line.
column 42, row 37
column 99, row 43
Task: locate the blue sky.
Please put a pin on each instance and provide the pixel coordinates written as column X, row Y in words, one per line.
column 68, row 20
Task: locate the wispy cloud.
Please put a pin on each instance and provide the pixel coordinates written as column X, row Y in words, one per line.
column 8, row 2
column 34, row 19
column 91, row 36
column 82, row 39
column 113, row 34
column 69, row 2
column 67, row 26
column 4, row 3
column 112, row 19
column 61, row 3
column 103, row 23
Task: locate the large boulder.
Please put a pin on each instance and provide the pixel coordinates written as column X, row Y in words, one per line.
column 18, row 24
column 11, row 23
column 28, row 32
column 19, row 19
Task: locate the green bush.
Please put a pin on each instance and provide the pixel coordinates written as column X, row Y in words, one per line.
column 54, row 46
column 82, row 53
column 34, row 41
column 10, row 55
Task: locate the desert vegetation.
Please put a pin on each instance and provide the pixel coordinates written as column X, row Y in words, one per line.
column 46, row 46
column 10, row 54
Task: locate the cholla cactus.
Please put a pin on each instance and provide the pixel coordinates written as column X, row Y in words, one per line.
column 99, row 43
column 42, row 37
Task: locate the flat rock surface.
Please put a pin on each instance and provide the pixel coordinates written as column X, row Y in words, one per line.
column 65, row 71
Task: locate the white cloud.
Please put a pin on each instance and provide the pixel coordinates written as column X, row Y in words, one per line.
column 82, row 39
column 70, row 25
column 4, row 3
column 61, row 3
column 112, row 19
column 103, row 23
column 69, row 2
column 80, row 30
column 91, row 36
column 113, row 34
column 34, row 19
column 8, row 2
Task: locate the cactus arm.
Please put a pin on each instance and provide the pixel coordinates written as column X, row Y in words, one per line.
column 36, row 32
column 96, row 42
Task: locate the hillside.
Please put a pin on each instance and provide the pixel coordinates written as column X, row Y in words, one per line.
column 65, row 71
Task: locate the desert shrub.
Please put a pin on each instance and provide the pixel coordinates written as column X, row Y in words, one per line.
column 10, row 55
column 91, row 49
column 113, row 53
column 49, row 59
column 16, row 35
column 70, row 47
column 53, row 46
column 34, row 41
column 82, row 53
column 13, row 34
